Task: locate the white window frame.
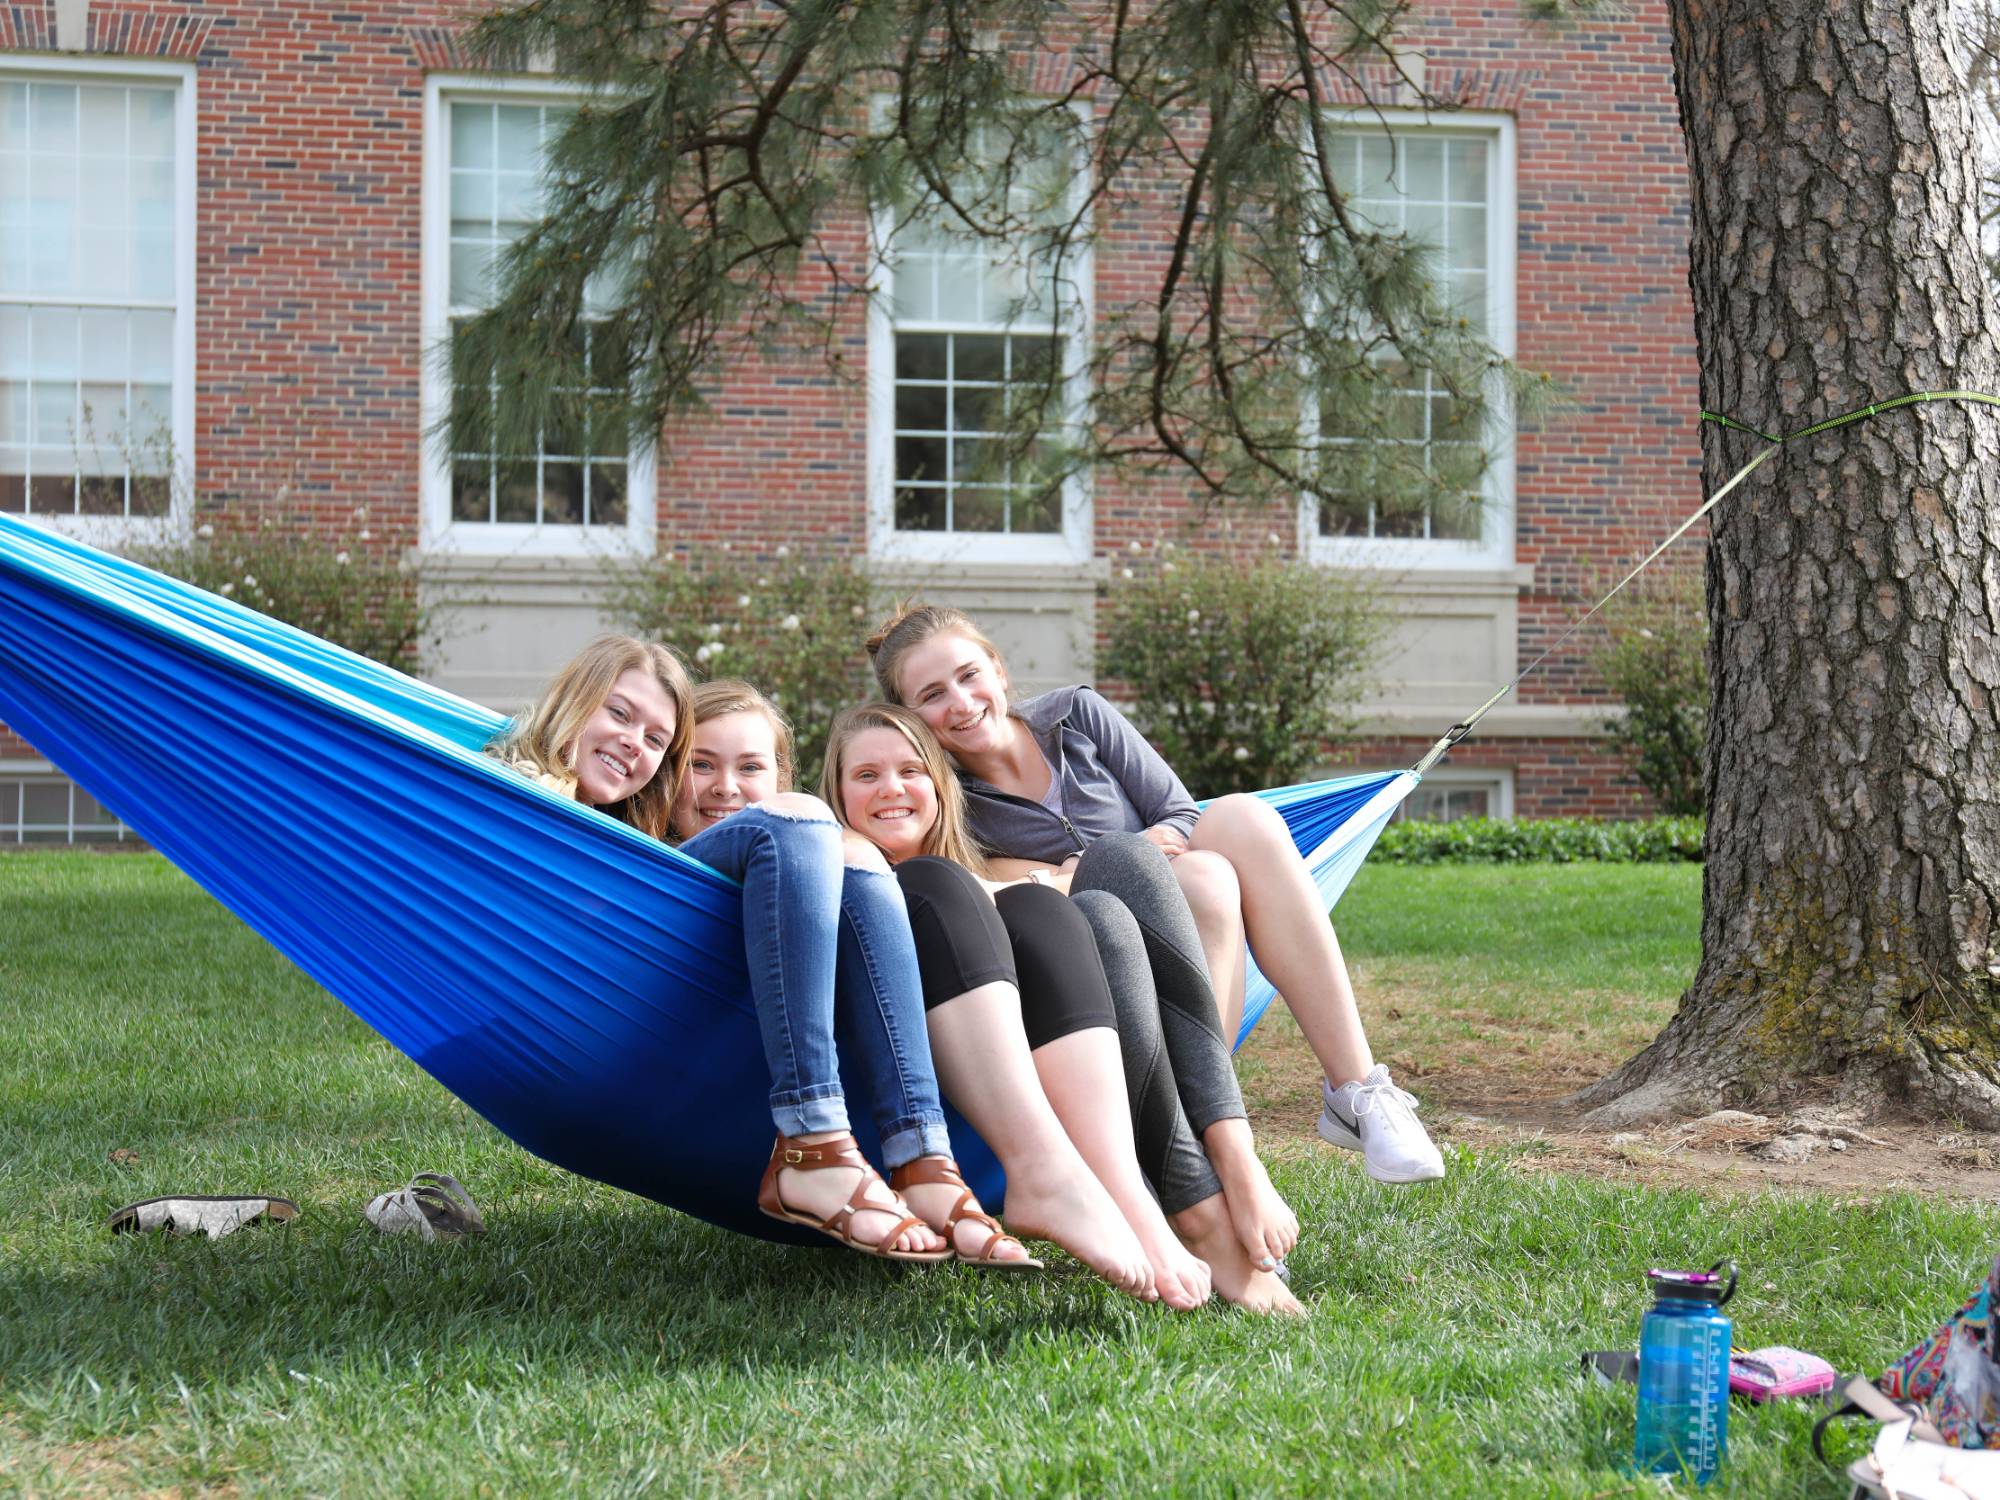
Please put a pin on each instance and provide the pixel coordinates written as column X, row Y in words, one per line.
column 886, row 542
column 16, row 777
column 1495, row 545
column 439, row 533
column 1499, row 780
column 178, row 523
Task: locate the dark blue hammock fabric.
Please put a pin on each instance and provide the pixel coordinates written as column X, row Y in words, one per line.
column 575, row 982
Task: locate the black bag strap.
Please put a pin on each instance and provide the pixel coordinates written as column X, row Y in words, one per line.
column 1862, row 1397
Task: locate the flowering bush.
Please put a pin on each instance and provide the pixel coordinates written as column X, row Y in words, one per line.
column 341, row 589
column 1241, row 667
column 1657, row 662
column 791, row 623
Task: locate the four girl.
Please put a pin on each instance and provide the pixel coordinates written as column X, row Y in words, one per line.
column 1052, row 929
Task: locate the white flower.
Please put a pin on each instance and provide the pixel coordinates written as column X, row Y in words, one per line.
column 341, row 558
column 790, row 622
column 763, row 583
column 226, row 590
column 1194, row 615
column 1271, row 539
column 858, row 612
column 204, row 531
column 715, row 648
column 784, row 551
column 1241, row 752
column 365, row 536
column 728, row 546
column 742, row 601
column 703, row 653
column 1166, row 546
column 1133, row 546
column 1124, row 572
column 249, row 582
column 714, row 628
column 1166, row 567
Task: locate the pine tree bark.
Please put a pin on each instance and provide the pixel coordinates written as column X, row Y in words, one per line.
column 1850, row 947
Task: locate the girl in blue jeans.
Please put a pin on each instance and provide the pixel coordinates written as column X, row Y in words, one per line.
column 827, row 951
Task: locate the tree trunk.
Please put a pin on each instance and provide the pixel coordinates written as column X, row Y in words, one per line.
column 1849, row 943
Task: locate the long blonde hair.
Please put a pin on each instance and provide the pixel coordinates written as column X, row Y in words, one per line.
column 908, row 628
column 732, row 695
column 949, row 837
column 541, row 739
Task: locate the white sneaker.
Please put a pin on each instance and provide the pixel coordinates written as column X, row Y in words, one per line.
column 1380, row 1121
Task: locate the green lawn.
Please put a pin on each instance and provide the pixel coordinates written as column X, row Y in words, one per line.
column 593, row 1344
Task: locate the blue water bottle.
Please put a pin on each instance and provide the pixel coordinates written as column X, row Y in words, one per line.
column 1684, row 1374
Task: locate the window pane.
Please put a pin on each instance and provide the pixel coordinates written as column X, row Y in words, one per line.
column 1466, row 162
column 979, row 358
column 921, row 356
column 1423, row 168
column 920, row 509
column 978, row 508
column 471, row 490
column 921, row 459
column 607, row 495
column 562, row 494
column 103, row 121
column 515, row 493
column 472, row 136
column 920, row 407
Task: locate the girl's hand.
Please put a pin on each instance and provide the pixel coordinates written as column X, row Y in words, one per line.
column 1171, row 840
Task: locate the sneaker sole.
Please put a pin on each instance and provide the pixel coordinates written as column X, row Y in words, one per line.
column 1336, row 1133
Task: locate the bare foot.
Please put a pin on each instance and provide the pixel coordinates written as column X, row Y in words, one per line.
column 1265, row 1225
column 824, row 1191
column 1070, row 1206
column 1207, row 1231
column 933, row 1202
column 1182, row 1279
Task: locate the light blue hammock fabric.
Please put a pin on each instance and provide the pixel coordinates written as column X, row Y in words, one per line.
column 576, row 983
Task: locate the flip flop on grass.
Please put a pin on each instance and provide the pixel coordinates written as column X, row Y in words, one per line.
column 434, row 1206
column 194, row 1213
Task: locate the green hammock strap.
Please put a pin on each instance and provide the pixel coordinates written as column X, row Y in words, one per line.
column 1461, row 729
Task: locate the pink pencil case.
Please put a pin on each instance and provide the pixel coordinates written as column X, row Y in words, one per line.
column 1765, row 1374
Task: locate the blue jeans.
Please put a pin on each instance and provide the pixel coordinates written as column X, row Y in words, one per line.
column 829, row 953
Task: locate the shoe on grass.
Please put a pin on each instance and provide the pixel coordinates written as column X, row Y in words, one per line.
column 433, row 1207
column 194, row 1214
column 1380, row 1121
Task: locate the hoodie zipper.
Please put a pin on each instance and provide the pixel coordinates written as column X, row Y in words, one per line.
column 1061, row 765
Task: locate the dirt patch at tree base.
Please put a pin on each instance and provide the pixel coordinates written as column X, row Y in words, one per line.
column 1518, row 1106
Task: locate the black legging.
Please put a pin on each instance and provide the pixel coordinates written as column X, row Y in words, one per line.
column 1057, row 952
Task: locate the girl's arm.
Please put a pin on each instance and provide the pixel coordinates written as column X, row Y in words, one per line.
column 1148, row 782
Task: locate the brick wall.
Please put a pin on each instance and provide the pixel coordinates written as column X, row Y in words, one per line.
column 310, row 159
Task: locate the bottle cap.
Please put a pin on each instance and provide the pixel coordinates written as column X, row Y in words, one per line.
column 1694, row 1286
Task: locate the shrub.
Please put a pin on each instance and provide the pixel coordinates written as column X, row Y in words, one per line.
column 1657, row 662
column 791, row 623
column 1241, row 668
column 1556, row 840
column 339, row 588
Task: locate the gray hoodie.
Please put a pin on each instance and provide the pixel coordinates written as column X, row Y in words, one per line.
column 1109, row 780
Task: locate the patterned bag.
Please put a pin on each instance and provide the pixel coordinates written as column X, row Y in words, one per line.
column 1953, row 1374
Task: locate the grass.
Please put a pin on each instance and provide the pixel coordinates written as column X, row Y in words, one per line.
column 594, row 1344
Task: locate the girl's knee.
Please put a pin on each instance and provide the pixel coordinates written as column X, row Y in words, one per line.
column 1209, row 882
column 1111, row 920
column 797, row 805
column 1240, row 813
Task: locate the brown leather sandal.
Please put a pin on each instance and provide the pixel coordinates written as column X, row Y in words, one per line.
column 821, row 1156
column 925, row 1171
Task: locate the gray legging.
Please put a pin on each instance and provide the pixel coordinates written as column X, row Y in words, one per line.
column 1177, row 1065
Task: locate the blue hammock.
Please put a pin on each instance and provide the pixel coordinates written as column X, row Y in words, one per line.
column 578, row 984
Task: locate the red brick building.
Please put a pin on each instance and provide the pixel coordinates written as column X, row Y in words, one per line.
column 229, row 233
